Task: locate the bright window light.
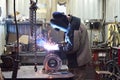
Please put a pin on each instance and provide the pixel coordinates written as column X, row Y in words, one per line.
column 61, row 8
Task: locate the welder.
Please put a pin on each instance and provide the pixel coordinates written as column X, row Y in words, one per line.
column 70, row 29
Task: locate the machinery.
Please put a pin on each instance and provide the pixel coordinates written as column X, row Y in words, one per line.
column 52, row 63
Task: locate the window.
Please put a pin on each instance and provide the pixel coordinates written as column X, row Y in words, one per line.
column 61, row 8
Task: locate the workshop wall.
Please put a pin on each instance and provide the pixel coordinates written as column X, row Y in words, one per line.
column 86, row 9
column 3, row 8
column 43, row 12
column 112, row 10
column 80, row 8
column 2, row 38
column 22, row 6
column 2, row 25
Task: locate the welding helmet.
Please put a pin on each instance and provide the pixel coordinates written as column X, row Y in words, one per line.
column 59, row 21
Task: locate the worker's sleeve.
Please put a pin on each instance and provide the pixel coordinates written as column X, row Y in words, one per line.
column 81, row 41
column 81, row 53
column 84, row 54
column 84, row 40
column 76, row 43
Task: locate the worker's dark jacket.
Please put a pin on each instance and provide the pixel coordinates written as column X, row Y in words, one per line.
column 81, row 46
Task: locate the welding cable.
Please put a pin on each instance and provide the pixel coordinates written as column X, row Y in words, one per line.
column 16, row 61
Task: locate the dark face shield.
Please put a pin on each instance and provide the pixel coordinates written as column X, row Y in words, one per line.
column 59, row 21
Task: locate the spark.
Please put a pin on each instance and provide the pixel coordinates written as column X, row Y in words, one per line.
column 47, row 45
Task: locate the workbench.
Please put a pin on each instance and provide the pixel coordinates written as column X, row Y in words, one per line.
column 28, row 73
